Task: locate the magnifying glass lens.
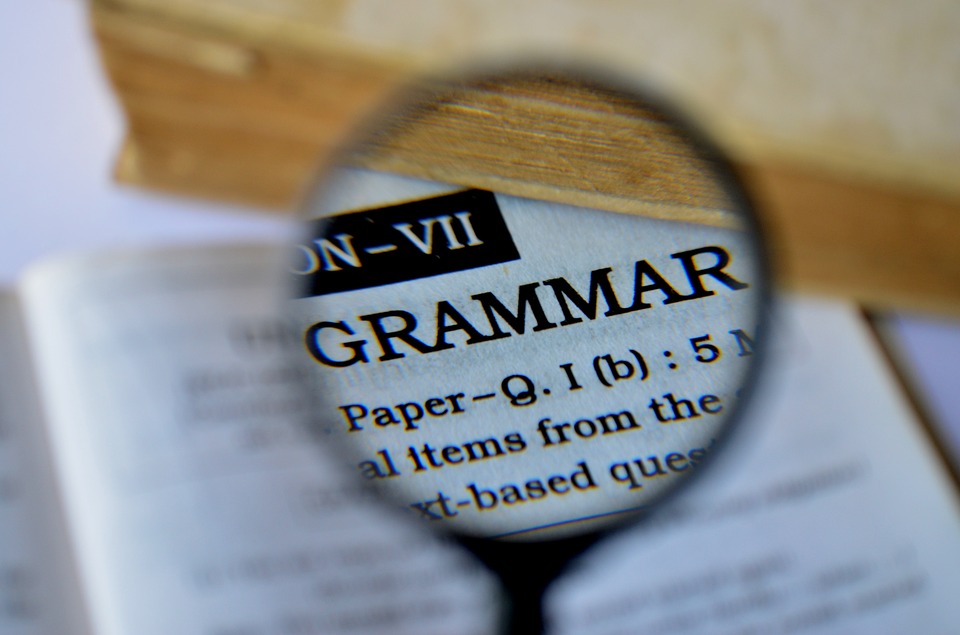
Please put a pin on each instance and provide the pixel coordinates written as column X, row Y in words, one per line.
column 530, row 305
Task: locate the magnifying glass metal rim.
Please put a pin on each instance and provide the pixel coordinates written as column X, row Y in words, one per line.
column 421, row 95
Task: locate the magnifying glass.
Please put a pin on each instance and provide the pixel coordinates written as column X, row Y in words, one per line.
column 531, row 303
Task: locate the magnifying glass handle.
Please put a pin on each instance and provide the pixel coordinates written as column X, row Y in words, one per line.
column 525, row 570
column 523, row 611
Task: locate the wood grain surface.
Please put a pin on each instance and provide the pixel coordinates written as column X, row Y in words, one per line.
column 238, row 101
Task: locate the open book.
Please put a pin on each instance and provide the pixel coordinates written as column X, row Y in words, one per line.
column 149, row 485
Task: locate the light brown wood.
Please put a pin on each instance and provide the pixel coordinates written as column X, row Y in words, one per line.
column 253, row 133
column 245, row 108
column 883, row 246
column 865, row 86
column 553, row 137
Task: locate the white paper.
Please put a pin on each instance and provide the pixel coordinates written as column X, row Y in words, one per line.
column 38, row 591
column 831, row 514
column 523, row 383
column 196, row 506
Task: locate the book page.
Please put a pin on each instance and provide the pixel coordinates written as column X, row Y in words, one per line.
column 496, row 361
column 831, row 514
column 38, row 593
column 197, row 506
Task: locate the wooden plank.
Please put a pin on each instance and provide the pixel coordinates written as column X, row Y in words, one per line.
column 550, row 137
column 210, row 115
column 884, row 246
column 867, row 87
column 540, row 138
column 248, row 114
